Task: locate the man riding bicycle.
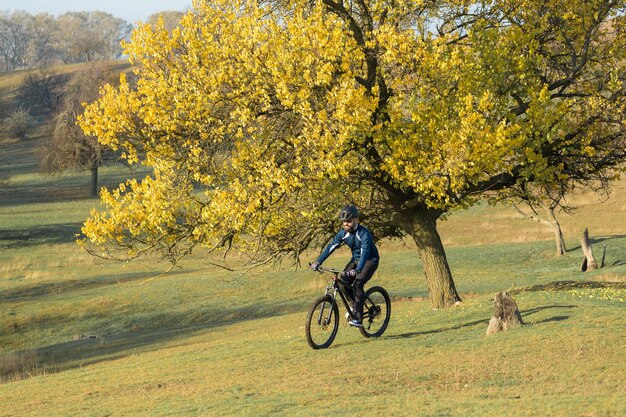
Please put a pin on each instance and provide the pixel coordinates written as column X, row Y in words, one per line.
column 363, row 263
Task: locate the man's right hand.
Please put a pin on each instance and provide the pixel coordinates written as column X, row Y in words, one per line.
column 315, row 266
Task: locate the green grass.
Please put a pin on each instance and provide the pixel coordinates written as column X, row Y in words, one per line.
column 80, row 336
column 201, row 341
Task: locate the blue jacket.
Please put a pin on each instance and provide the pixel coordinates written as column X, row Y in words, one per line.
column 361, row 242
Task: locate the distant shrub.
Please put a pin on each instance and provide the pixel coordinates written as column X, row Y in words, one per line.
column 17, row 123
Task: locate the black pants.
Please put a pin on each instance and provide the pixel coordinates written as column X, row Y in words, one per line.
column 357, row 283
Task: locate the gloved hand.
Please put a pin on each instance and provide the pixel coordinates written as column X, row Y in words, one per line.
column 315, row 266
column 352, row 273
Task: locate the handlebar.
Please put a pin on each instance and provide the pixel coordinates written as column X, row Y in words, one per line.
column 337, row 272
column 330, row 270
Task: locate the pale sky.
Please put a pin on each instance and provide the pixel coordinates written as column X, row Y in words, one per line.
column 129, row 10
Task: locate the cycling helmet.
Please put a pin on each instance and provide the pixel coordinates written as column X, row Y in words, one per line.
column 348, row 213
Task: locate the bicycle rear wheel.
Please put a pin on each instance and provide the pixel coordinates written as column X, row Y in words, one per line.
column 322, row 322
column 376, row 312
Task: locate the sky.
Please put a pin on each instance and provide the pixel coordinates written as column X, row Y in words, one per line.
column 129, row 10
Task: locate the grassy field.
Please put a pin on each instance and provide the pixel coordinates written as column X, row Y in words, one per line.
column 79, row 336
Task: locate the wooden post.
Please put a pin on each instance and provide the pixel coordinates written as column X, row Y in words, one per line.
column 589, row 261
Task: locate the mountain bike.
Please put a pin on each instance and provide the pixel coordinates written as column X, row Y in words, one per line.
column 322, row 321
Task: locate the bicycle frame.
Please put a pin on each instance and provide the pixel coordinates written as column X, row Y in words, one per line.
column 336, row 288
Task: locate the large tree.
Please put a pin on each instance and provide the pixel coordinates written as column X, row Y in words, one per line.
column 260, row 119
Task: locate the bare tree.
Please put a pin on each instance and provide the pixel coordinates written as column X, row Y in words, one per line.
column 171, row 19
column 69, row 147
column 44, row 88
column 14, row 37
column 43, row 41
column 112, row 31
column 548, row 218
column 89, row 36
column 28, row 41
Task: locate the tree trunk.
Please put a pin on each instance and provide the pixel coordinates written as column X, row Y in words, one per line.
column 558, row 233
column 589, row 261
column 421, row 224
column 553, row 222
column 94, row 181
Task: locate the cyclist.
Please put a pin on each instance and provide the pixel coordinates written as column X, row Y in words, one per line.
column 363, row 263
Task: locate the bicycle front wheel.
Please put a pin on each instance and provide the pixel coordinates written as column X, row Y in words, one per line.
column 322, row 322
column 376, row 312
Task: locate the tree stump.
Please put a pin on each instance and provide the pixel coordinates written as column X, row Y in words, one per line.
column 506, row 314
column 589, row 261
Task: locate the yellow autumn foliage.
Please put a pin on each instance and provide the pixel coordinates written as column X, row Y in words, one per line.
column 259, row 119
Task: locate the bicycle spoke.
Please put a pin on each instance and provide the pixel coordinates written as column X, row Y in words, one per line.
column 322, row 323
column 376, row 312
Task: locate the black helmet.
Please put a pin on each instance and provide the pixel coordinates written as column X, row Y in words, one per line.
column 348, row 213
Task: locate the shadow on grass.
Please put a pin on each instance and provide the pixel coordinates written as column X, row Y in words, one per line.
column 434, row 331
column 13, row 196
column 149, row 333
column 485, row 322
column 538, row 309
column 548, row 320
column 596, row 241
column 45, row 234
column 551, row 319
column 61, row 188
column 63, row 287
column 568, row 285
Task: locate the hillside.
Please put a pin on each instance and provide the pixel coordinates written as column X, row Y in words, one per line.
column 80, row 336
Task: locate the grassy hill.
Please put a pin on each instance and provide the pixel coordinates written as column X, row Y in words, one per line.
column 79, row 336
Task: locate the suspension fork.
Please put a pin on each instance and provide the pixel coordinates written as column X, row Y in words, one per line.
column 333, row 294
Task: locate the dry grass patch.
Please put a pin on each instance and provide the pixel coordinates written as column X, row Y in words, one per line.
column 610, row 278
column 19, row 365
column 16, row 265
column 37, row 275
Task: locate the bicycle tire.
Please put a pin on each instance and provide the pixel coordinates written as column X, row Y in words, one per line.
column 376, row 312
column 322, row 322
